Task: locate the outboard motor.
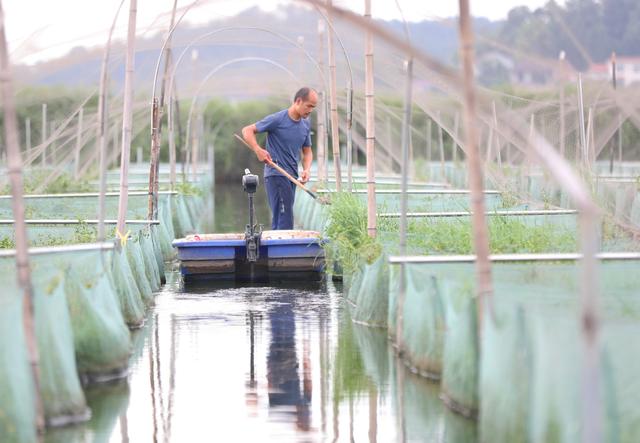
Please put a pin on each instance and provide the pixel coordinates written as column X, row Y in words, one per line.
column 253, row 231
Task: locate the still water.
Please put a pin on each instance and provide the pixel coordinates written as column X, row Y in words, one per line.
column 262, row 364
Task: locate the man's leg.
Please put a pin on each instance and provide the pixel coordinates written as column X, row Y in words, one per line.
column 287, row 195
column 273, row 195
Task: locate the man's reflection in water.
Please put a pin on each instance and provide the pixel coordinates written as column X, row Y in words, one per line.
column 282, row 364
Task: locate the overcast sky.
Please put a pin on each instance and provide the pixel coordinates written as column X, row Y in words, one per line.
column 40, row 29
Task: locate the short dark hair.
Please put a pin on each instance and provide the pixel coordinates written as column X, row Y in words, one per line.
column 303, row 94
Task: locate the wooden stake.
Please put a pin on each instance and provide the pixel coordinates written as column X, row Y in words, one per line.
column 369, row 96
column 484, row 288
column 14, row 163
column 127, row 117
column 76, row 161
column 333, row 101
column 614, row 84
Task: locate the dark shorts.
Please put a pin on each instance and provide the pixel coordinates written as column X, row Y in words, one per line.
column 281, row 194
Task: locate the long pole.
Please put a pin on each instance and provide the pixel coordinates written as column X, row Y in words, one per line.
column 103, row 119
column 156, row 125
column 322, row 132
column 406, row 119
column 497, row 130
column 429, row 142
column 562, row 111
column 583, row 133
column 454, row 145
column 14, row 163
column 369, row 96
column 614, row 83
column 349, row 138
column 335, row 135
column 484, row 288
column 44, row 134
column 441, row 146
column 127, row 117
column 27, row 134
column 76, row 159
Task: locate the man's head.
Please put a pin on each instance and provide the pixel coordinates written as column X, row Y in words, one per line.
column 305, row 101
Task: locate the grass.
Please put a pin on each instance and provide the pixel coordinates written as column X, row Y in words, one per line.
column 63, row 184
column 83, row 233
column 186, row 188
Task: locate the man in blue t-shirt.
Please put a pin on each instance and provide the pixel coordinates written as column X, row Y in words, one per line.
column 288, row 135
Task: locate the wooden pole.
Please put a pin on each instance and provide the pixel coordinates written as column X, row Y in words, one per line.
column 76, row 161
column 583, row 132
column 14, row 163
column 614, row 84
column 562, row 100
column 157, row 110
column 454, row 145
column 44, row 134
column 103, row 121
column 429, row 142
column 589, row 150
column 484, row 288
column 333, row 101
column 27, row 134
column 495, row 124
column 441, row 146
column 369, row 95
column 404, row 166
column 127, row 117
column 322, row 131
column 349, row 138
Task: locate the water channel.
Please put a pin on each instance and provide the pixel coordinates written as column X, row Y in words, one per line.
column 262, row 364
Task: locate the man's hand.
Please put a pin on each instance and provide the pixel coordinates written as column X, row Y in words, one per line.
column 263, row 155
column 304, row 177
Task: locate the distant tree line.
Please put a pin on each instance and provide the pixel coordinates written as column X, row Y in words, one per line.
column 584, row 29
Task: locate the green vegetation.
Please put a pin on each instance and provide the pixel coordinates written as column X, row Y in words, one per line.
column 186, row 188
column 63, row 184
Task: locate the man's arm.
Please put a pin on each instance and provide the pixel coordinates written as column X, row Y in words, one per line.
column 307, row 158
column 249, row 135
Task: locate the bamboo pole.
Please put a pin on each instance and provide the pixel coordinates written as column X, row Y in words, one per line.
column 44, row 134
column 14, row 164
column 497, row 128
column 369, row 95
column 333, row 101
column 583, row 133
column 27, row 134
column 127, row 117
column 406, row 119
column 76, row 159
column 441, row 146
column 429, row 142
column 589, row 133
column 454, row 145
column 562, row 100
column 614, row 84
column 484, row 287
column 349, row 138
column 322, row 132
column 157, row 110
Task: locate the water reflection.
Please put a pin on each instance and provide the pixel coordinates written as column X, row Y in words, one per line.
column 241, row 364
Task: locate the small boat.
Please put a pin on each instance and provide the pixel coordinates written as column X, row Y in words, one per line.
column 286, row 255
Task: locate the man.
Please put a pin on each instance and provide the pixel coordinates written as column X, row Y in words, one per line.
column 288, row 135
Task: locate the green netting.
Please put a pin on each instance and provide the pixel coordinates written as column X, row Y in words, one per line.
column 17, row 410
column 157, row 250
column 136, row 261
column 371, row 297
column 129, row 295
column 534, row 347
column 424, row 323
column 101, row 338
column 61, row 392
column 181, row 220
column 150, row 264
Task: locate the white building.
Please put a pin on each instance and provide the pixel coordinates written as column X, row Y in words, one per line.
column 627, row 71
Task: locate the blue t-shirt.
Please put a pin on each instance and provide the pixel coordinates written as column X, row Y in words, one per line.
column 285, row 138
